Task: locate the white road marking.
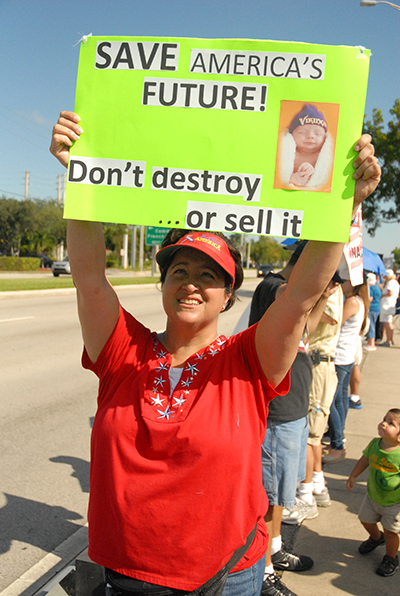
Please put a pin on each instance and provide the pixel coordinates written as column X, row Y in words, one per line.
column 15, row 319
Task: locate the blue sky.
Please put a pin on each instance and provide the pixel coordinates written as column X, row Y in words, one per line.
column 40, row 51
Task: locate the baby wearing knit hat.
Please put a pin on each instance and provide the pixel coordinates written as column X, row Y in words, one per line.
column 307, row 151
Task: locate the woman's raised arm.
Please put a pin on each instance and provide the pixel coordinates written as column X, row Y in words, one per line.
column 281, row 328
column 98, row 304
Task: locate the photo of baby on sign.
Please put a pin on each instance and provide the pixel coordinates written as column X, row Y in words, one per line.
column 306, row 146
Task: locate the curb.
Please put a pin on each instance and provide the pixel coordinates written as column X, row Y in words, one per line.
column 45, row 570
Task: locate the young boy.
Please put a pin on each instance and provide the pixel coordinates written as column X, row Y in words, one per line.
column 382, row 502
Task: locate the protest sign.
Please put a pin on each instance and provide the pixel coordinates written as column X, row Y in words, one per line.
column 202, row 133
column 351, row 265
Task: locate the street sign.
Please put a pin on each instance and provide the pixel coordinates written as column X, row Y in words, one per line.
column 155, row 235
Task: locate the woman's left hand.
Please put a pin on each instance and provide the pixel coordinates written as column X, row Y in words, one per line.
column 368, row 171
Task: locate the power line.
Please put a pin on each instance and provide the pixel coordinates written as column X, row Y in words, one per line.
column 23, row 138
column 11, row 193
column 26, row 118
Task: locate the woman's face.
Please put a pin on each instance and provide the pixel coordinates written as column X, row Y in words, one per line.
column 194, row 288
column 309, row 138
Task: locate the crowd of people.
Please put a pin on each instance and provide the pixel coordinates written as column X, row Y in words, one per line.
column 321, row 378
column 195, row 432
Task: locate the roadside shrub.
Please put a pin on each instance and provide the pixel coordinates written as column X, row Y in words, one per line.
column 19, row 264
column 112, row 260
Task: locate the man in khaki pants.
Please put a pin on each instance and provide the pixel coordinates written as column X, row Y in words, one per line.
column 323, row 342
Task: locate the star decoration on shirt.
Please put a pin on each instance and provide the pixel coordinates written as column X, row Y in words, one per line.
column 159, row 381
column 166, row 413
column 157, row 401
column 162, row 367
column 179, row 401
column 192, row 367
column 162, row 405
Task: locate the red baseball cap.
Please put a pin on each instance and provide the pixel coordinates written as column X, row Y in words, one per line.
column 213, row 246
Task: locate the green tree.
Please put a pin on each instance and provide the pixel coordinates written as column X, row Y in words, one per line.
column 47, row 228
column 30, row 227
column 383, row 206
column 15, row 217
column 396, row 257
column 268, row 251
column 113, row 236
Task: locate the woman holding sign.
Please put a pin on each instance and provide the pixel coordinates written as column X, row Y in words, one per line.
column 176, row 499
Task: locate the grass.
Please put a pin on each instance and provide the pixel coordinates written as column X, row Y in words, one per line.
column 14, row 285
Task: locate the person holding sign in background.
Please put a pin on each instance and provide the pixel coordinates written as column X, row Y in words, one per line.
column 176, row 496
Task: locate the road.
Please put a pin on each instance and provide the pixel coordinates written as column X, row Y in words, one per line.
column 47, row 403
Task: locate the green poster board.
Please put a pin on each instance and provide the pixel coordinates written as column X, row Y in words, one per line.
column 201, row 133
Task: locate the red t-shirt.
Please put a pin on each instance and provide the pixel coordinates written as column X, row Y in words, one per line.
column 176, row 482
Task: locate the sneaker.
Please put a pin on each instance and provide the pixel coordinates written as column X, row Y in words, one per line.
column 369, row 545
column 299, row 512
column 285, row 561
column 356, row 405
column 369, row 348
column 388, row 566
column 332, row 459
column 273, row 586
column 323, row 498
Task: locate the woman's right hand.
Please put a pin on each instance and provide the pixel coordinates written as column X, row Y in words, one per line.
column 65, row 132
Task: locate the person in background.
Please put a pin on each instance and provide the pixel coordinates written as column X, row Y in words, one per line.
column 390, row 293
column 375, row 293
column 382, row 501
column 284, row 450
column 354, row 320
column 312, row 491
column 355, row 380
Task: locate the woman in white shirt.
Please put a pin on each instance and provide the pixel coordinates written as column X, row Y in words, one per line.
column 355, row 314
column 390, row 293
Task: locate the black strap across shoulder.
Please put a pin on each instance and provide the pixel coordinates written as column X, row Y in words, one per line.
column 122, row 585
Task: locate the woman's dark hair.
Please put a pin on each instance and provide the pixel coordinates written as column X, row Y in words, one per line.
column 175, row 234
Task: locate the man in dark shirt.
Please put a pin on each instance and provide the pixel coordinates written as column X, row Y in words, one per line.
column 284, row 450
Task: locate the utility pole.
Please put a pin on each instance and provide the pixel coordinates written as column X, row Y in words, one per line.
column 125, row 251
column 133, row 248
column 58, row 188
column 64, row 186
column 248, row 253
column 141, row 249
column 26, row 185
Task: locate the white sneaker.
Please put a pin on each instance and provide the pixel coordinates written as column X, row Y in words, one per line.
column 323, row 498
column 299, row 512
